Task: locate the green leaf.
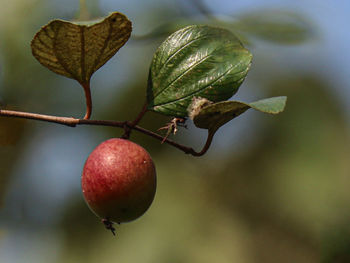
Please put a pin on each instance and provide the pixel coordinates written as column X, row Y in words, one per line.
column 196, row 61
column 272, row 105
column 213, row 116
column 277, row 26
column 77, row 50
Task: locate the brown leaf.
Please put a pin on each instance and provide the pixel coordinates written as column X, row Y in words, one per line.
column 215, row 115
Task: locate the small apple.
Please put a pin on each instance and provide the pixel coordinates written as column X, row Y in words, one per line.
column 118, row 181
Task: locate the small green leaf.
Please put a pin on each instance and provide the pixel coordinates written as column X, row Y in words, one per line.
column 196, row 61
column 213, row 116
column 77, row 50
column 272, row 105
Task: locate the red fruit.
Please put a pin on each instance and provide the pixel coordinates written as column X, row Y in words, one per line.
column 119, row 181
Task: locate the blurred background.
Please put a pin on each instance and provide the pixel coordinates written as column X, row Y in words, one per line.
column 270, row 189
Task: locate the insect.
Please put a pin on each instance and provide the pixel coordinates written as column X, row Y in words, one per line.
column 171, row 127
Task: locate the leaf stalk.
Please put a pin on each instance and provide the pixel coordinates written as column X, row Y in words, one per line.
column 88, row 99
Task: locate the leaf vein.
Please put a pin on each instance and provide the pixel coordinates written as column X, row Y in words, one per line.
column 60, row 61
column 182, row 74
column 98, row 58
column 82, row 53
column 179, row 50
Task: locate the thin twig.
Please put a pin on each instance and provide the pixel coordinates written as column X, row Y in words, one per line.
column 69, row 121
column 207, row 144
column 72, row 122
column 141, row 114
column 128, row 129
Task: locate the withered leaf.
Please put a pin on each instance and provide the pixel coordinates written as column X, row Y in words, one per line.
column 213, row 116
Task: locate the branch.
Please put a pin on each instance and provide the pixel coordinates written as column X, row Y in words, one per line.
column 73, row 122
column 207, row 144
column 141, row 114
column 69, row 121
column 127, row 130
